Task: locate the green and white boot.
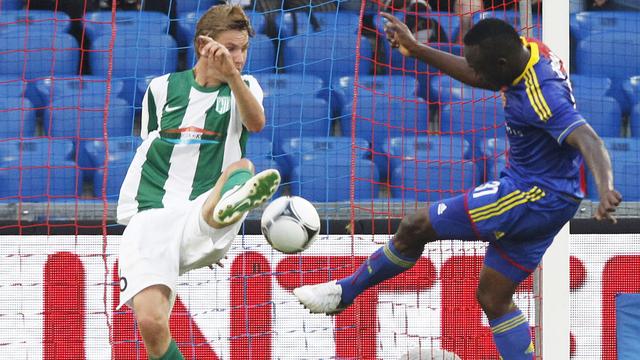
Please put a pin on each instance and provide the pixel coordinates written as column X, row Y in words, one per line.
column 242, row 198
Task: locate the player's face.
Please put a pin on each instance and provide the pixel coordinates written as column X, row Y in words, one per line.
column 237, row 42
column 489, row 72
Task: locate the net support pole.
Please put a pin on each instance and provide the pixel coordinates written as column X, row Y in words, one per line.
column 551, row 279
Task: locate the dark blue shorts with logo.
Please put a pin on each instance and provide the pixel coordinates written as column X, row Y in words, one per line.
column 519, row 222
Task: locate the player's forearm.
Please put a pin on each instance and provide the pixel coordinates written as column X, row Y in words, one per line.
column 452, row 65
column 250, row 109
column 597, row 158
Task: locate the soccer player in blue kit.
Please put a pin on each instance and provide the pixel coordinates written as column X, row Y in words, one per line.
column 519, row 214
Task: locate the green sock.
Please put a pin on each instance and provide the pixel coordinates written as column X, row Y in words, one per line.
column 172, row 353
column 237, row 177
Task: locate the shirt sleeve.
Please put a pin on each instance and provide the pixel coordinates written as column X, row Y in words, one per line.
column 149, row 116
column 553, row 110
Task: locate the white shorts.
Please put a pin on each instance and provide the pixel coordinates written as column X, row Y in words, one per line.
column 158, row 245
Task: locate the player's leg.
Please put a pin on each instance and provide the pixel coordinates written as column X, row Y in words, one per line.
column 237, row 191
column 510, row 328
column 395, row 257
column 151, row 307
column 444, row 220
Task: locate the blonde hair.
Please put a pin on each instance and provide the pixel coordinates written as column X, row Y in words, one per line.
column 220, row 18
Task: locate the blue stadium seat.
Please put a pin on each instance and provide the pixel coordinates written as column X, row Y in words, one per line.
column 327, row 179
column 99, row 23
column 300, row 22
column 14, row 86
column 261, row 55
column 495, row 158
column 635, row 122
column 631, row 87
column 260, row 151
column 88, row 85
column 411, row 67
column 121, row 152
column 590, row 22
column 135, row 55
column 432, row 180
column 430, row 168
column 11, row 4
column 381, row 117
column 36, row 20
column 295, row 116
column 610, row 54
column 290, row 84
column 513, row 18
column 33, row 57
column 18, row 118
column 308, row 148
column 190, row 6
column 625, row 160
column 44, row 171
column 602, row 113
column 587, row 85
column 83, row 116
column 327, row 54
column 393, row 85
column 427, row 147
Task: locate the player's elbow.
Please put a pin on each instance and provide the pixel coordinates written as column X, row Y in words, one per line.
column 256, row 123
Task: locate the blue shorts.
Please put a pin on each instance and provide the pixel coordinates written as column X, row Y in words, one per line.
column 519, row 222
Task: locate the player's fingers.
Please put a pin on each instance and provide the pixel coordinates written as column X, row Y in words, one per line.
column 392, row 19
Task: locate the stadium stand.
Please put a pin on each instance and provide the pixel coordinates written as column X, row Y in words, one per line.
column 429, row 168
column 50, row 22
column 625, row 160
column 29, row 54
column 18, row 117
column 38, row 169
column 602, row 112
column 92, row 162
column 325, row 177
column 99, row 23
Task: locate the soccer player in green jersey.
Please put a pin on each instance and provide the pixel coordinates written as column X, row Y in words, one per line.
column 188, row 188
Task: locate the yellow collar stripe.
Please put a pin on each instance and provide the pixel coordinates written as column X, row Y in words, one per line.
column 535, row 57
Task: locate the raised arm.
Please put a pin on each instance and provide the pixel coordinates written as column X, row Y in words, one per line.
column 596, row 156
column 399, row 35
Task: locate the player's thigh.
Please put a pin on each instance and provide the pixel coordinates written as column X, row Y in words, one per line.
column 149, row 252
column 520, row 226
column 202, row 245
column 450, row 220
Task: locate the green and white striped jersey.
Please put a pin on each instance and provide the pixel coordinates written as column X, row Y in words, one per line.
column 191, row 134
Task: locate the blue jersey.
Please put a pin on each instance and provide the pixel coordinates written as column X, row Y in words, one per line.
column 540, row 113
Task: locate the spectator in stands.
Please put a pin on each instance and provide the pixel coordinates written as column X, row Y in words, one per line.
column 180, row 214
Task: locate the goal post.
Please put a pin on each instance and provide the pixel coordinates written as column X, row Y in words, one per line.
column 551, row 279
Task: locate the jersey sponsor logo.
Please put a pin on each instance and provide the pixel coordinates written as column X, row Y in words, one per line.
column 223, row 104
column 498, row 234
column 441, row 208
column 514, row 132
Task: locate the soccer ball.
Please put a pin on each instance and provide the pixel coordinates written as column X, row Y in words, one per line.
column 290, row 224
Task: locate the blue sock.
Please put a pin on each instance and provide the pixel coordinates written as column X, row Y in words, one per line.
column 383, row 264
column 512, row 336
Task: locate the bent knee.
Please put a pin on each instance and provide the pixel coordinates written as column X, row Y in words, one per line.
column 152, row 322
column 418, row 227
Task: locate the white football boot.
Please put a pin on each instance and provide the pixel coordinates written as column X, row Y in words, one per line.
column 322, row 298
column 242, row 198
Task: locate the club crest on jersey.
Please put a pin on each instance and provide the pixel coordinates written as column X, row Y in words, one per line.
column 223, row 104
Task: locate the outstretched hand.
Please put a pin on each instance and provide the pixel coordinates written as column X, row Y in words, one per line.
column 398, row 34
column 609, row 201
column 217, row 57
